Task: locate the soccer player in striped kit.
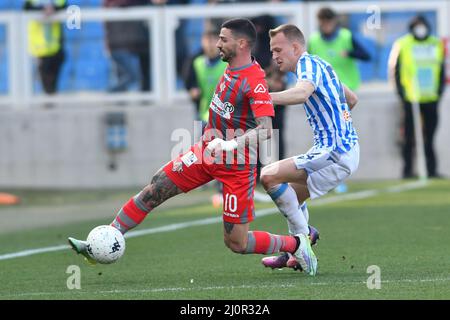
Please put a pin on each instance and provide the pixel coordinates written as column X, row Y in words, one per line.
column 240, row 115
column 335, row 153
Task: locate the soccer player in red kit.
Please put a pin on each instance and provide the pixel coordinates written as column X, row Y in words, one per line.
column 240, row 115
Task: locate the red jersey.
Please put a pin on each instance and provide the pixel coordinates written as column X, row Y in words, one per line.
column 241, row 95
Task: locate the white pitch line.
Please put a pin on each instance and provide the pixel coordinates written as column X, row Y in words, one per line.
column 152, row 290
column 201, row 222
column 32, row 252
column 193, row 288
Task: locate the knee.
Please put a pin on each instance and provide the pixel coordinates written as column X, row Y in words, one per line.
column 236, row 246
column 267, row 180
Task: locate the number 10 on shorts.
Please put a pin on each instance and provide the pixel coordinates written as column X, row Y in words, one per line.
column 230, row 203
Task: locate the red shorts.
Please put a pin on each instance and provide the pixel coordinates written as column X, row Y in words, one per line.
column 238, row 185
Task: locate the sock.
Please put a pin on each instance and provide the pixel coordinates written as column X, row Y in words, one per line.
column 305, row 211
column 130, row 215
column 286, row 200
column 267, row 243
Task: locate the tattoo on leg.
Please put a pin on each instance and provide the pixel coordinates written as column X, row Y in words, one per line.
column 160, row 189
column 228, row 227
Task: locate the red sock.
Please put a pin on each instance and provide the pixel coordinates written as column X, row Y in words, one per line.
column 267, row 243
column 130, row 215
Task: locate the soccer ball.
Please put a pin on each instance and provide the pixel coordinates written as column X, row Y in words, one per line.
column 105, row 244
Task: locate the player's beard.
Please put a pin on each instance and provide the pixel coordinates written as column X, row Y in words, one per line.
column 227, row 56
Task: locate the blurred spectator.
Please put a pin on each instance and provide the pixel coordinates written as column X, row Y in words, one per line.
column 46, row 42
column 204, row 73
column 261, row 51
column 418, row 65
column 276, row 81
column 127, row 41
column 338, row 46
column 275, row 78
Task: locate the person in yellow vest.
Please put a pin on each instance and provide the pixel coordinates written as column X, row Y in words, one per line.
column 338, row 47
column 417, row 61
column 45, row 42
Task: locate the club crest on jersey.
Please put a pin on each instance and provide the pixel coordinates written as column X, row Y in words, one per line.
column 260, row 89
column 346, row 115
column 223, row 109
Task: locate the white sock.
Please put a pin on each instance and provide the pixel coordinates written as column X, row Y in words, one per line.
column 286, row 200
column 304, row 209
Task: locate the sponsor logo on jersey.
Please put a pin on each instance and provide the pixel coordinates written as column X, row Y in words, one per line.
column 262, row 102
column 260, row 88
column 222, row 109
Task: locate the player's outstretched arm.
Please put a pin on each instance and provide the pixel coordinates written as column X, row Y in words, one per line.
column 351, row 97
column 296, row 95
column 263, row 131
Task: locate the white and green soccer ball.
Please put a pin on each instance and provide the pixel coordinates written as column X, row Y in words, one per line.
column 105, row 244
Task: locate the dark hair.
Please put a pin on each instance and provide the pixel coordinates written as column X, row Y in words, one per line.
column 242, row 27
column 290, row 31
column 326, row 14
column 419, row 20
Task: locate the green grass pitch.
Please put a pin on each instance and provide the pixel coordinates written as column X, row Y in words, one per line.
column 405, row 234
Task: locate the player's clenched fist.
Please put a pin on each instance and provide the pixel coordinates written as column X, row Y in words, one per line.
column 218, row 145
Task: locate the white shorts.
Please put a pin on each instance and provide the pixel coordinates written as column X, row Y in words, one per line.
column 327, row 168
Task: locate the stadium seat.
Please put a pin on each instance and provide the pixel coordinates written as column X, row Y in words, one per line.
column 91, row 50
column 193, row 33
column 92, row 30
column 3, row 77
column 383, row 61
column 2, row 34
column 92, row 75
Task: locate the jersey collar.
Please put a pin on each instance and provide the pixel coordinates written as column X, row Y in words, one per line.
column 244, row 66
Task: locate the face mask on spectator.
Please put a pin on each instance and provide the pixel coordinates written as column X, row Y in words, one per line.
column 420, row 31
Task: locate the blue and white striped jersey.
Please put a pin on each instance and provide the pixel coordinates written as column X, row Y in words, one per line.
column 326, row 109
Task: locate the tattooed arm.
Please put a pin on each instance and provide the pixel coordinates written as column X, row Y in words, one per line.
column 159, row 190
column 262, row 132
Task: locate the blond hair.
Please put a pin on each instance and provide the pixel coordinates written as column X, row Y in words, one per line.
column 290, row 31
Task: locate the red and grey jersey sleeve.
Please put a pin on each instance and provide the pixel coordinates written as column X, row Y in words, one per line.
column 259, row 98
